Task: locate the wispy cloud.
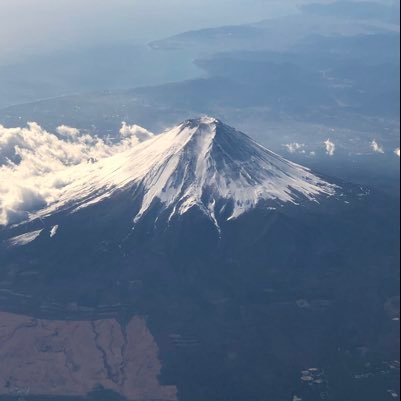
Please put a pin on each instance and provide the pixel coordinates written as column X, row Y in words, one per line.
column 397, row 152
column 295, row 147
column 330, row 147
column 376, row 147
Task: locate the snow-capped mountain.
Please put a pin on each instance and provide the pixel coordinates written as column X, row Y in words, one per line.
column 145, row 232
column 202, row 164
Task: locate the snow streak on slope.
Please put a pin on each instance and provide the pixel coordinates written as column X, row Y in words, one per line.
column 24, row 239
column 200, row 163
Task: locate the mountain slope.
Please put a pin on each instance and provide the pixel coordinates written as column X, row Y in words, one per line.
column 306, row 279
column 201, row 164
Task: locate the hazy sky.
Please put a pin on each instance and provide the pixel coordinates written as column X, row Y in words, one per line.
column 39, row 25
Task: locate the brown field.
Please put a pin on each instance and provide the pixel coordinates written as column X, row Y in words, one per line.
column 71, row 358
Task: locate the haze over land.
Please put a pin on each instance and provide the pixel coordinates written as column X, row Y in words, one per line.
column 33, row 26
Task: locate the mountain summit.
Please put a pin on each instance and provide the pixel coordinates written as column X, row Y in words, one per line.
column 200, row 163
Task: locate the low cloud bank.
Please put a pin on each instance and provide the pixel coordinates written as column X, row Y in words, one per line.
column 31, row 157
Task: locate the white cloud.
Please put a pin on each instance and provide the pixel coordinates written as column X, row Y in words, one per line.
column 34, row 163
column 295, row 147
column 135, row 133
column 330, row 147
column 397, row 152
column 376, row 147
column 66, row 131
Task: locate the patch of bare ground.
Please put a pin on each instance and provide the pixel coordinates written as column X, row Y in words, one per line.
column 71, row 358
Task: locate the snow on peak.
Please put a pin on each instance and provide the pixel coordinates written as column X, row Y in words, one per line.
column 201, row 163
column 209, row 162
